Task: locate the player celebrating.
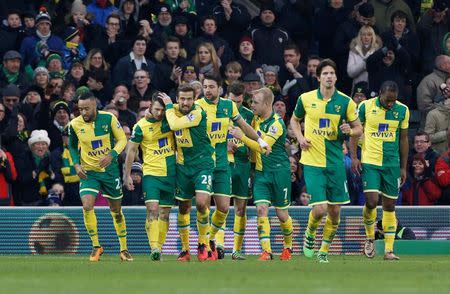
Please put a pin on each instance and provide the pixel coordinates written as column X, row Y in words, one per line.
column 326, row 112
column 220, row 111
column 100, row 138
column 383, row 171
column 156, row 139
column 238, row 156
column 194, row 168
column 272, row 175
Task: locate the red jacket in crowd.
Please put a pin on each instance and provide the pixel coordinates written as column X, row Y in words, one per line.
column 8, row 174
column 421, row 192
column 442, row 170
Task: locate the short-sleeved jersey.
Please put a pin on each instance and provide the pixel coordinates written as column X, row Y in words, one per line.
column 241, row 154
column 90, row 141
column 193, row 145
column 275, row 128
column 219, row 116
column 158, row 146
column 322, row 121
column 382, row 132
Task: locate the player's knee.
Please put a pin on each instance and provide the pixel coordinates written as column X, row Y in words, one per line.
column 388, row 205
column 152, row 214
column 88, row 206
column 239, row 210
column 201, row 207
column 262, row 210
column 184, row 207
column 164, row 214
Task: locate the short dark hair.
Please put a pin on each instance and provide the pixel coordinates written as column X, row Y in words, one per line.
column 236, row 88
column 14, row 11
column 88, row 95
column 399, row 14
column 215, row 78
column 185, row 88
column 314, row 57
column 206, row 17
column 323, row 63
column 113, row 15
column 172, row 39
column 422, row 133
column 98, row 75
column 389, row 86
column 139, row 38
column 292, row 46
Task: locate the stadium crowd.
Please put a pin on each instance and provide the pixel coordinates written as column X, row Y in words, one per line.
column 125, row 51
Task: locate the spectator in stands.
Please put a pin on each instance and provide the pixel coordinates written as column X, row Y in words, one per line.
column 361, row 47
column 246, row 58
column 126, row 116
column 206, row 60
column 11, row 96
column 78, row 18
column 292, row 67
column 29, row 22
column 11, row 32
column 391, row 62
column 76, row 74
column 311, row 68
column 55, row 85
column 231, row 18
column 74, row 49
column 135, row 60
column 38, row 46
column 279, row 107
column 97, row 82
column 163, row 26
column 54, row 118
column 428, row 89
column 438, row 120
column 422, row 146
column 95, row 61
column 360, row 92
column 136, row 196
column 402, row 233
column 142, row 89
column 420, row 189
column 443, row 173
column 10, row 71
column 209, row 35
column 432, row 27
column 270, row 77
column 384, row 9
column 31, row 99
column 268, row 33
column 41, row 77
column 233, row 73
column 129, row 17
column 54, row 63
column 8, row 175
column 68, row 93
column 189, row 73
column 181, row 30
column 169, row 61
column 252, row 82
column 101, row 9
column 56, row 195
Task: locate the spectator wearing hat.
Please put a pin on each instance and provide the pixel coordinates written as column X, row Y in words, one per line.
column 169, row 61
column 11, row 100
column 432, row 27
column 55, row 85
column 270, row 78
column 41, row 77
column 10, row 71
column 75, row 15
column 252, row 82
column 101, row 9
column 231, row 18
column 11, row 32
column 182, row 30
column 135, row 197
column 246, row 57
column 189, row 72
column 29, row 22
column 383, row 11
column 30, row 101
column 73, row 50
column 39, row 45
column 129, row 17
column 162, row 28
column 209, row 35
column 124, row 114
column 268, row 33
column 54, row 63
column 361, row 47
column 279, row 107
column 360, row 92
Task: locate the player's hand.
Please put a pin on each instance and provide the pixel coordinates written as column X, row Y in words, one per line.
column 231, row 147
column 236, row 132
column 346, row 128
column 147, row 114
column 105, row 160
column 80, row 171
column 165, row 98
column 128, row 183
column 304, row 143
column 267, row 150
column 356, row 166
column 264, row 146
column 402, row 176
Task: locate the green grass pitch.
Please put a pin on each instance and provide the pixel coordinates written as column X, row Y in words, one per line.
column 344, row 274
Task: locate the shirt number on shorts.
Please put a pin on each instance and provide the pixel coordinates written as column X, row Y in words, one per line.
column 345, row 187
column 118, row 184
column 206, row 180
column 285, row 190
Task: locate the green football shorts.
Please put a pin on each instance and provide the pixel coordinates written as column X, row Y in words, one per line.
column 326, row 184
column 221, row 184
column 385, row 180
column 107, row 182
column 273, row 188
column 191, row 180
column 159, row 189
column 240, row 176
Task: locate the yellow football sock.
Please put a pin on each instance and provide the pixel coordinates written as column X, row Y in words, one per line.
column 239, row 230
column 313, row 223
column 203, row 227
column 90, row 222
column 220, row 235
column 264, row 233
column 217, row 220
column 163, row 226
column 121, row 229
column 329, row 231
column 287, row 229
column 184, row 224
column 369, row 219
column 152, row 229
column 389, row 227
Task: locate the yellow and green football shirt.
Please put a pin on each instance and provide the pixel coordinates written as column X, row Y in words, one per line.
column 194, row 148
column 322, row 121
column 158, row 146
column 241, row 154
column 218, row 121
column 273, row 131
column 90, row 141
column 382, row 132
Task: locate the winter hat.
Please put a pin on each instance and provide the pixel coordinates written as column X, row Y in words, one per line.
column 366, row 10
column 70, row 33
column 361, row 88
column 38, row 136
column 440, row 5
column 43, row 16
column 180, row 19
column 136, row 167
column 36, row 89
column 11, row 91
column 12, row 54
column 164, row 8
column 52, row 57
column 247, row 39
column 60, row 105
column 251, row 77
column 81, row 91
column 57, row 75
column 267, row 6
column 40, row 69
column 270, row 68
column 78, row 7
column 190, row 66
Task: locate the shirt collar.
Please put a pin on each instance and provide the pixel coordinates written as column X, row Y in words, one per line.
column 134, row 57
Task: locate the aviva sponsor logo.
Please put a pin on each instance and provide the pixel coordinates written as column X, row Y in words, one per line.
column 324, row 124
column 99, row 152
column 383, row 132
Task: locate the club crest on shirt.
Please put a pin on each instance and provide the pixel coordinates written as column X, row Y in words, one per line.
column 150, row 129
column 82, row 131
column 395, row 114
column 337, row 108
column 225, row 111
column 190, row 117
column 105, row 128
column 273, row 130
